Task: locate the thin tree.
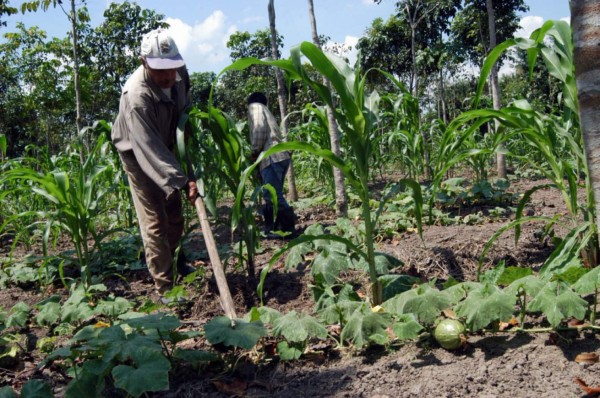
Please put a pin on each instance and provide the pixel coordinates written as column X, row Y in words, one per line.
column 416, row 11
column 585, row 19
column 73, row 17
column 341, row 199
column 281, row 97
column 496, row 96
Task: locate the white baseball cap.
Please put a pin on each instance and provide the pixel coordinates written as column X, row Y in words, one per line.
column 160, row 51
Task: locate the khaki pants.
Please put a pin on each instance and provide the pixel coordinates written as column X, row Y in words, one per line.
column 161, row 222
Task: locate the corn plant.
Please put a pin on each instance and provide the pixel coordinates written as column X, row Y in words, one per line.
column 314, row 129
column 557, row 139
column 357, row 117
column 2, row 147
column 403, row 143
column 222, row 159
column 74, row 199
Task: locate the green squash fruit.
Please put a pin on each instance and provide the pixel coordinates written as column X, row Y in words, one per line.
column 450, row 334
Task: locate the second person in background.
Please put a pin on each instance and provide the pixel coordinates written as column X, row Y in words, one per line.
column 264, row 133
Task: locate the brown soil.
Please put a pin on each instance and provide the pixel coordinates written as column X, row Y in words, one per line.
column 490, row 365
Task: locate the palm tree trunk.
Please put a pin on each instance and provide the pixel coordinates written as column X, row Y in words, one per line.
column 585, row 19
column 341, row 200
column 496, row 97
column 281, row 97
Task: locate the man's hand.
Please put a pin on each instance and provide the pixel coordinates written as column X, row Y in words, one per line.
column 191, row 189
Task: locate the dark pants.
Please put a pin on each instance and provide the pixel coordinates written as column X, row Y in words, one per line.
column 274, row 174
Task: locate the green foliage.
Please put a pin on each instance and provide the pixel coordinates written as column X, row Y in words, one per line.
column 298, row 327
column 425, row 302
column 406, row 327
column 557, row 139
column 588, row 283
column 365, row 326
column 31, row 389
column 235, row 86
column 486, row 305
column 74, row 200
column 2, row 146
column 222, row 157
column 236, row 333
column 557, row 302
column 469, row 28
column 357, row 117
column 149, row 372
column 18, row 315
column 111, row 52
column 135, row 351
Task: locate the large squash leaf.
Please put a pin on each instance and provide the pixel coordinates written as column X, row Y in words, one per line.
column 486, row 305
column 150, row 372
column 240, row 334
column 557, row 302
column 298, row 327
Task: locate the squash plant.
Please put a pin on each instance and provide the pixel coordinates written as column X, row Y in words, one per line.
column 137, row 351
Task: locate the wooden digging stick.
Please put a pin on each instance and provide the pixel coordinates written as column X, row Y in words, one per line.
column 215, row 260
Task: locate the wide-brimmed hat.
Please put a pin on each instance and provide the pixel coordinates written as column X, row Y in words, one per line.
column 160, row 51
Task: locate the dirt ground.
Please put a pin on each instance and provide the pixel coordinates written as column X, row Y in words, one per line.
column 503, row 364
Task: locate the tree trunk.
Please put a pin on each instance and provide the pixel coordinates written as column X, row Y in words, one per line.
column 341, row 200
column 585, row 19
column 281, row 97
column 443, row 97
column 76, row 76
column 496, row 98
column 413, row 21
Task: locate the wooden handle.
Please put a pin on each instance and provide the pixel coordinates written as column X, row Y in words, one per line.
column 215, row 260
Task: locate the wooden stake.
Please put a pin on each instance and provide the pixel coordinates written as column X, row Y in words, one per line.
column 215, row 260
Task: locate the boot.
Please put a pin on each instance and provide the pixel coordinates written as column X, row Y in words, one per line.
column 268, row 218
column 183, row 267
column 286, row 220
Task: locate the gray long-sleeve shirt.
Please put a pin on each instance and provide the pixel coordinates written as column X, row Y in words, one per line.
column 147, row 125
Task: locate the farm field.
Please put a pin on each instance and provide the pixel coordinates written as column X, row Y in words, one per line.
column 446, row 239
column 490, row 364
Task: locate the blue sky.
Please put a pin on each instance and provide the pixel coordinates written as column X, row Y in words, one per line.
column 201, row 27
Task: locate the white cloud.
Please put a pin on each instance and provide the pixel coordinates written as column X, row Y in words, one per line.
column 527, row 25
column 203, row 45
column 180, row 32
